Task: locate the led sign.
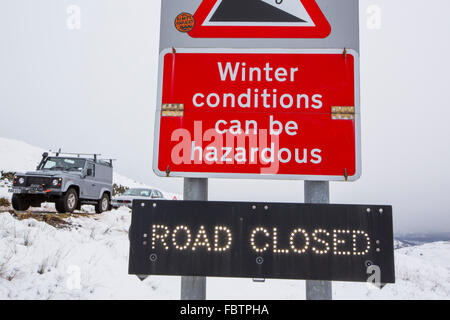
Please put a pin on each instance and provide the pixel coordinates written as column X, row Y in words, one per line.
column 261, row 240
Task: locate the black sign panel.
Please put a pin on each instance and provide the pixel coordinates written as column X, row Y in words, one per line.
column 262, row 240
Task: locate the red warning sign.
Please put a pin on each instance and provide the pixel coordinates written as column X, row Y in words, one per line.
column 260, row 19
column 248, row 113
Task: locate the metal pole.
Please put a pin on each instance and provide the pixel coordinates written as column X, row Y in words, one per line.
column 194, row 288
column 318, row 192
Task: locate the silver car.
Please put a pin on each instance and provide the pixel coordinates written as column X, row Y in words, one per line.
column 68, row 181
column 127, row 198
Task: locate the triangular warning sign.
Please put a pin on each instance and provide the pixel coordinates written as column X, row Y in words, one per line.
column 260, row 19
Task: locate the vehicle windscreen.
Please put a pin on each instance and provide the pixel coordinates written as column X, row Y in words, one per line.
column 138, row 192
column 63, row 164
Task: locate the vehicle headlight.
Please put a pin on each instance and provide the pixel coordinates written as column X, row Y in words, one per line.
column 56, row 182
column 21, row 180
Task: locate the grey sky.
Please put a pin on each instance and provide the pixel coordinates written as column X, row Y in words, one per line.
column 94, row 90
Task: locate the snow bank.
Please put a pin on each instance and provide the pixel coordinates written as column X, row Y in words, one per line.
column 4, row 186
column 88, row 261
column 18, row 156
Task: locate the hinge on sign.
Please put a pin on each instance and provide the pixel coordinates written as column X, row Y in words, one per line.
column 172, row 110
column 342, row 113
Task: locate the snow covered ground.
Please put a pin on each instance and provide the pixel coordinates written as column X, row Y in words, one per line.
column 88, row 259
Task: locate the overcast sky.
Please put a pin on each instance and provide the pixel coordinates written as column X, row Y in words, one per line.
column 93, row 89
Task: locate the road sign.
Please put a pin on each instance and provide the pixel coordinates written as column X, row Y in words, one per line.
column 260, row 19
column 262, row 240
column 250, row 23
column 236, row 113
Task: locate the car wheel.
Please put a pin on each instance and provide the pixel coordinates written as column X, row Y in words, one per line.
column 19, row 203
column 103, row 204
column 59, row 207
column 68, row 202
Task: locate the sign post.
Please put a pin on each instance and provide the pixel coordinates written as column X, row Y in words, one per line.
column 318, row 192
column 194, row 288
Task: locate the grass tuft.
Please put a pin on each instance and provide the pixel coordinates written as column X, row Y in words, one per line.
column 4, row 202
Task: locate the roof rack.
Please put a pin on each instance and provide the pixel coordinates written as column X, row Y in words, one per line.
column 59, row 152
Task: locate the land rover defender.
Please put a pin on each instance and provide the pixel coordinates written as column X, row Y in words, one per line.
column 69, row 181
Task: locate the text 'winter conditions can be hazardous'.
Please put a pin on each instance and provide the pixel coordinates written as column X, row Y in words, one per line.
column 286, row 114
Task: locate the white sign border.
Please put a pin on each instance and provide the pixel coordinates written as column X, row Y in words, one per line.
column 215, row 175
